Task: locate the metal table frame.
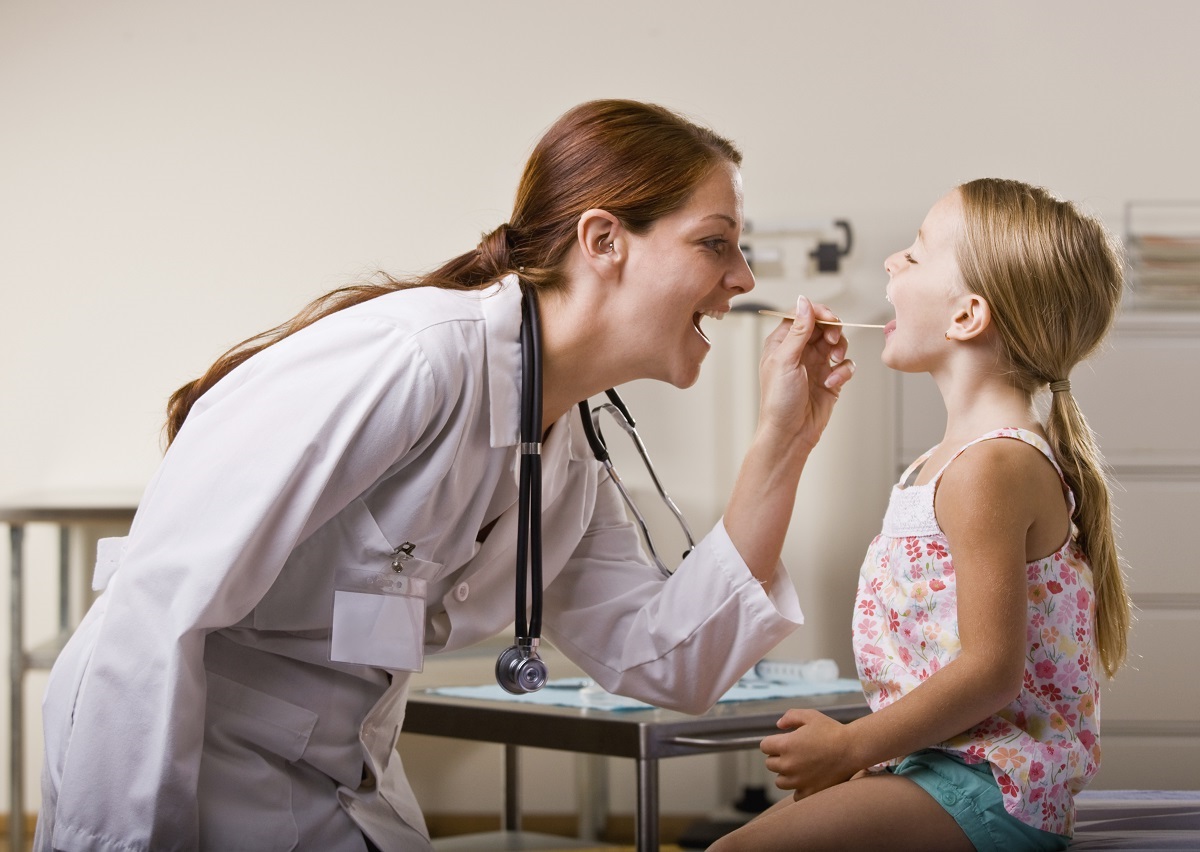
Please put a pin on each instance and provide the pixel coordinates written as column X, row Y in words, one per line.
column 647, row 736
column 64, row 514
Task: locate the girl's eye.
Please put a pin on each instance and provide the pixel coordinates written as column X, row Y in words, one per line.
column 908, row 256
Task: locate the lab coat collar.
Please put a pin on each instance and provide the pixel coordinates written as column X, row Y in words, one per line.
column 501, row 308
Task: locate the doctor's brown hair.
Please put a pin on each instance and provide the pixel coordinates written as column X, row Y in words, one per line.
column 637, row 161
column 1053, row 277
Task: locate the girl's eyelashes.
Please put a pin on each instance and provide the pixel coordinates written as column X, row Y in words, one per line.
column 908, row 256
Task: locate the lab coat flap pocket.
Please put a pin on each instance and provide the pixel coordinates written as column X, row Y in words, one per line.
column 347, row 548
column 263, row 720
column 375, row 550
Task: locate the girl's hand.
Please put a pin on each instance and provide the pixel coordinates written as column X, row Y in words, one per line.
column 801, row 373
column 811, row 756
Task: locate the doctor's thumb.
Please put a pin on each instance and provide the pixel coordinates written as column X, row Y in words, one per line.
column 804, row 323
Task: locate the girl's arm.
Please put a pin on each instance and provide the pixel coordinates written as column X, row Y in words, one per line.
column 986, row 504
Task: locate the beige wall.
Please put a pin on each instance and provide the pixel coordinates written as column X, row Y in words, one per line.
column 175, row 177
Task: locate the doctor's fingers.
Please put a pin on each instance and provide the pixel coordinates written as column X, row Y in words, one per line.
column 802, row 342
column 798, row 332
column 832, row 334
column 838, row 375
column 820, row 350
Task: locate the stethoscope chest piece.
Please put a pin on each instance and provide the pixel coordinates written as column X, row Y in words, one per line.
column 519, row 669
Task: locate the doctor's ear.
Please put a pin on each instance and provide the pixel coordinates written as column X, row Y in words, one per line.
column 972, row 317
column 601, row 238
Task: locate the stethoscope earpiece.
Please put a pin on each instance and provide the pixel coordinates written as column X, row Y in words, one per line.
column 520, row 670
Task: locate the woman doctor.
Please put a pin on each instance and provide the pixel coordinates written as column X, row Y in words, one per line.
column 219, row 694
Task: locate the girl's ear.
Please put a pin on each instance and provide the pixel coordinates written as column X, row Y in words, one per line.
column 972, row 317
column 602, row 240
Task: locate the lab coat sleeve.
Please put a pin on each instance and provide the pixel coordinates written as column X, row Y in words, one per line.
column 269, row 454
column 678, row 643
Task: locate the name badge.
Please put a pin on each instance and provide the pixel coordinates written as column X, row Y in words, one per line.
column 379, row 620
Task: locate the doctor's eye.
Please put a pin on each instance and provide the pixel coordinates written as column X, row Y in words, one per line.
column 717, row 245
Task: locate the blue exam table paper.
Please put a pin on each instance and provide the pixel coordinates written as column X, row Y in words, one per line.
column 582, row 692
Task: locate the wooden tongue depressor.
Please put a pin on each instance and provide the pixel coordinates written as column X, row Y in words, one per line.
column 767, row 313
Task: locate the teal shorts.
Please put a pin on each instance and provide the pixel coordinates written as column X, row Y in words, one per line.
column 970, row 794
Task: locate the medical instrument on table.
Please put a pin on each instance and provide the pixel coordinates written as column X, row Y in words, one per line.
column 519, row 669
column 768, row 313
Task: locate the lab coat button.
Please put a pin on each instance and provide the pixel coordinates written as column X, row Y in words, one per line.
column 461, row 592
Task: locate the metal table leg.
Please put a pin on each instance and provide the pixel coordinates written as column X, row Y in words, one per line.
column 511, row 820
column 591, row 795
column 646, row 825
column 16, row 695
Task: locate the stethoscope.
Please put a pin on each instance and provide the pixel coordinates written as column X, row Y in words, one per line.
column 519, row 669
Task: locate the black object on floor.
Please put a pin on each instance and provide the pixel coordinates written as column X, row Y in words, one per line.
column 703, row 833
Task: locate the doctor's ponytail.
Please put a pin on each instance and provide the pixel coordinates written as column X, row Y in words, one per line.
column 637, row 161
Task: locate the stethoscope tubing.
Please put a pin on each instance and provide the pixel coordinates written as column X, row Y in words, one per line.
column 529, row 513
column 620, row 413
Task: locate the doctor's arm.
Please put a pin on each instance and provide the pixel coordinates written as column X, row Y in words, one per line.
column 681, row 643
column 802, row 371
column 678, row 643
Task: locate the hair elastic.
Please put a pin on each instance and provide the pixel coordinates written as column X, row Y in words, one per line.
column 1061, row 386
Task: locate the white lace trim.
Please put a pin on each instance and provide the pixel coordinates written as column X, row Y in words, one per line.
column 910, row 512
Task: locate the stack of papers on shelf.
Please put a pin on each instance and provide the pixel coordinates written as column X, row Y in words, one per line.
column 1166, row 267
column 1163, row 244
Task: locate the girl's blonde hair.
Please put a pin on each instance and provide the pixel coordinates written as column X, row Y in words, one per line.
column 1053, row 277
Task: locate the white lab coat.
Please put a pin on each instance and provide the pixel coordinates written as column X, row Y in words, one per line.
column 197, row 707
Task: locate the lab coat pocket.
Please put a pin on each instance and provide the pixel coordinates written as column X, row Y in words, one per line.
column 245, row 785
column 263, row 720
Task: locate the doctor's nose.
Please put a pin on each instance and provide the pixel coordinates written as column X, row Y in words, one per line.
column 741, row 277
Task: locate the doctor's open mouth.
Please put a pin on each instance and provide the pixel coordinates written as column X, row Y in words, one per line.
column 713, row 313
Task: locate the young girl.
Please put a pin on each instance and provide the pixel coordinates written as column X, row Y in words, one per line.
column 993, row 594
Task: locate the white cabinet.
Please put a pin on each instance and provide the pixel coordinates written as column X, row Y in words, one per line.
column 1141, row 396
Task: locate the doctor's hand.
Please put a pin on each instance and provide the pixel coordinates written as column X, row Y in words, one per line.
column 802, row 371
column 811, row 756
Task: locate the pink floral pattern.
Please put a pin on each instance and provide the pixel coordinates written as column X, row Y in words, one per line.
column 1044, row 747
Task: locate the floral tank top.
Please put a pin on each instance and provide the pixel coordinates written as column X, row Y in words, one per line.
column 1043, row 747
